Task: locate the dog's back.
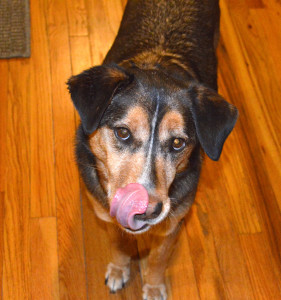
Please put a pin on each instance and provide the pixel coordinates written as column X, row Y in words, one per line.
column 183, row 30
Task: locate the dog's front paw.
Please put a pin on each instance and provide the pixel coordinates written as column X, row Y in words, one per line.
column 116, row 277
column 154, row 292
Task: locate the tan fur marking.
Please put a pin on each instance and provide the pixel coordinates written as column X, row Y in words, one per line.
column 150, row 60
column 137, row 121
column 129, row 170
column 165, row 175
column 118, row 75
column 98, row 147
column 117, row 169
column 172, row 124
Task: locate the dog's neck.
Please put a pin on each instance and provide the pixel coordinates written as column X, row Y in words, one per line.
column 159, row 59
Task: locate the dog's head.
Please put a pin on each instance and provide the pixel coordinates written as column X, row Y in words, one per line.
column 142, row 128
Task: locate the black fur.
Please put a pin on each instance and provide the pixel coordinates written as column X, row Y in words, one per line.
column 92, row 91
column 183, row 27
column 214, row 119
column 183, row 72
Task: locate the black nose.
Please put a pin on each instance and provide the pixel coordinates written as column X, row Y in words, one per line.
column 154, row 214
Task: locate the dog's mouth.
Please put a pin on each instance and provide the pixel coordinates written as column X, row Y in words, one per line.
column 130, row 206
column 144, row 228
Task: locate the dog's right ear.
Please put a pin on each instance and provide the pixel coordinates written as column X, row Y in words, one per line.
column 214, row 118
column 92, row 92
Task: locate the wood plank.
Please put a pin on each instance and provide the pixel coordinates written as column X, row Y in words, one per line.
column 258, row 186
column 3, row 120
column 3, row 131
column 72, row 273
column 242, row 196
column 104, row 20
column 80, row 54
column 237, row 155
column 262, row 272
column 180, row 278
column 77, row 17
column 16, row 268
column 237, row 176
column 43, row 199
column 255, row 3
column 203, row 253
column 275, row 6
column 214, row 194
column 260, row 93
column 258, row 145
column 267, row 60
column 44, row 259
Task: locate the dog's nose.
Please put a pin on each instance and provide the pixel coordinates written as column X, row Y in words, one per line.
column 152, row 212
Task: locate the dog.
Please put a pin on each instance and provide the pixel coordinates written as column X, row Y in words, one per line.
column 148, row 114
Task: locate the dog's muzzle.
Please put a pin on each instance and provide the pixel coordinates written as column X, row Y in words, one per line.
column 132, row 209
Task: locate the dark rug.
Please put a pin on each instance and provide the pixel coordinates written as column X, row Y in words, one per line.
column 14, row 28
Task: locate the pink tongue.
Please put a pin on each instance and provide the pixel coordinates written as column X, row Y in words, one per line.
column 128, row 202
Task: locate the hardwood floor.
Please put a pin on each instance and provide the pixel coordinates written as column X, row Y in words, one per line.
column 51, row 244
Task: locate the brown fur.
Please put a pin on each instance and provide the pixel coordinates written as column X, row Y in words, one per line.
column 137, row 121
column 149, row 60
column 158, row 81
column 111, row 165
column 172, row 124
column 162, row 237
column 113, row 171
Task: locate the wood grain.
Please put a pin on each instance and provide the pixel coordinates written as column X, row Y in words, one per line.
column 180, row 277
column 228, row 249
column 203, row 253
column 44, row 253
column 260, row 267
column 77, row 16
column 3, row 121
column 16, row 259
column 43, row 199
column 51, row 244
column 101, row 32
column 3, row 131
column 70, row 236
column 80, row 54
column 259, row 148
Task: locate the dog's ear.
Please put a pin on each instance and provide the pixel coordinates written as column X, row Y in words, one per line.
column 214, row 118
column 92, row 92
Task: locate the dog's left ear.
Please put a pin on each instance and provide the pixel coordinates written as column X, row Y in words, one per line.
column 214, row 118
column 92, row 92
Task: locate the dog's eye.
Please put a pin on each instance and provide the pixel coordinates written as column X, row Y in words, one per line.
column 122, row 133
column 178, row 144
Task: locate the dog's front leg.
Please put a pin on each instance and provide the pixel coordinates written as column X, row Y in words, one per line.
column 118, row 270
column 154, row 275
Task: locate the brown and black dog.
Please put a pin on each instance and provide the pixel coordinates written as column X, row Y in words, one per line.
column 147, row 113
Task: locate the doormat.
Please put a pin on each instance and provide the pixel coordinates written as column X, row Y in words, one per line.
column 14, row 28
